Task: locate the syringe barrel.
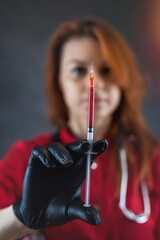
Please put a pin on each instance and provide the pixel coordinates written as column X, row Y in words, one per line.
column 91, row 107
column 90, row 135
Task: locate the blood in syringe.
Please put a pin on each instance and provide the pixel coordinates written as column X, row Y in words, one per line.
column 91, row 99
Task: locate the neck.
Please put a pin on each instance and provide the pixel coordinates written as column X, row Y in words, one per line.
column 78, row 128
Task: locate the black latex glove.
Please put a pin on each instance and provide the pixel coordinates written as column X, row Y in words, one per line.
column 52, row 185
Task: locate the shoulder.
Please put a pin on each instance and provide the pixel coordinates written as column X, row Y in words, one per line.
column 155, row 168
column 41, row 139
column 21, row 149
column 156, row 158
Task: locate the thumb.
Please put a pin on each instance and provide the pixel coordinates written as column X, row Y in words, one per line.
column 77, row 210
column 99, row 147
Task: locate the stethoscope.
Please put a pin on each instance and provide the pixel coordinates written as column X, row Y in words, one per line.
column 142, row 217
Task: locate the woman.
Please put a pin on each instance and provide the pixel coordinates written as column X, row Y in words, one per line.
column 55, row 174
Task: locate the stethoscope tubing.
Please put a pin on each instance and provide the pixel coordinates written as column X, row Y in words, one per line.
column 142, row 217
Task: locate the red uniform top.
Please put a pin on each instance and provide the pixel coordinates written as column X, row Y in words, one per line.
column 114, row 225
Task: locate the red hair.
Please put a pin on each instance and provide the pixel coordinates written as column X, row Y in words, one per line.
column 129, row 78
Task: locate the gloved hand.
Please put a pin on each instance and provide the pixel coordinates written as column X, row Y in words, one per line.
column 52, row 185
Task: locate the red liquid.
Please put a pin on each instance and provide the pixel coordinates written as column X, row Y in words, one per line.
column 91, row 103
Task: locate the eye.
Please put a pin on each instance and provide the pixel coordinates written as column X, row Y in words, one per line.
column 105, row 70
column 78, row 71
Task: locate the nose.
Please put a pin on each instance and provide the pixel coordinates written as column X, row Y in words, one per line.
column 99, row 82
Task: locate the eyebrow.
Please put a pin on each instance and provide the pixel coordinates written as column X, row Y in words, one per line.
column 79, row 61
column 84, row 63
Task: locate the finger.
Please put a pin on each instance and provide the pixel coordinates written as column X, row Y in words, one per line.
column 99, row 147
column 39, row 156
column 77, row 210
column 60, row 154
column 80, row 146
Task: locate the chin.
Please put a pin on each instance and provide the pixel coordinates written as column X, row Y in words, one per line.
column 83, row 113
column 102, row 113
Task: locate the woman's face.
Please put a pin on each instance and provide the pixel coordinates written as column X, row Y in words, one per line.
column 75, row 67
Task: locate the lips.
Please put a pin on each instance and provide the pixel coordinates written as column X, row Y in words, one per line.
column 99, row 100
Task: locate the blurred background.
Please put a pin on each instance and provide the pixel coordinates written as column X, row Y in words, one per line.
column 25, row 30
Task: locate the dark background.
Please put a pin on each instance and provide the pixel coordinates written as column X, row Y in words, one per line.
column 25, row 29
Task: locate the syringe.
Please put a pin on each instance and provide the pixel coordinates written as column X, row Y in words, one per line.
column 90, row 134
